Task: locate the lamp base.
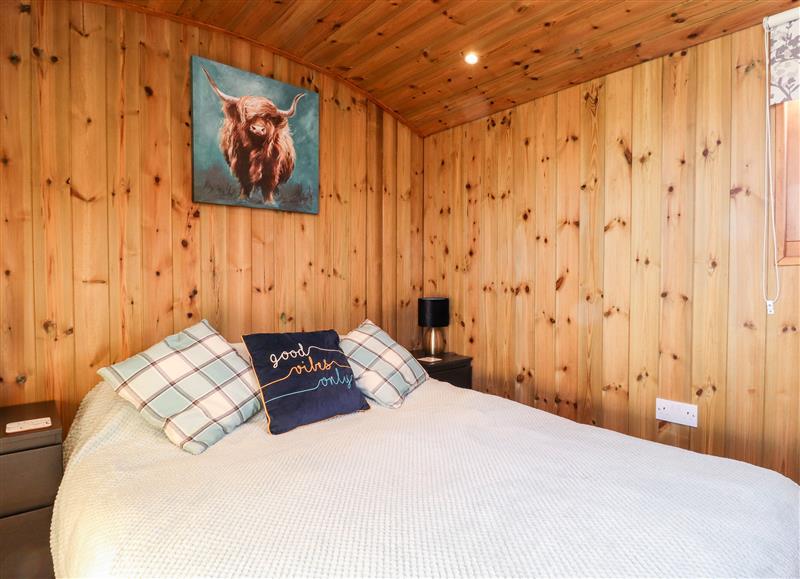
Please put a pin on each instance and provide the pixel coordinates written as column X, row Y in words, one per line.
column 433, row 341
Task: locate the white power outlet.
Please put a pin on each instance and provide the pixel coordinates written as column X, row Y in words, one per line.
column 677, row 412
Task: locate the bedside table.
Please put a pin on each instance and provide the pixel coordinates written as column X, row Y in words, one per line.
column 453, row 368
column 30, row 472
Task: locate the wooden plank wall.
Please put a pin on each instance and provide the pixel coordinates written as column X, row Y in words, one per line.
column 103, row 251
column 632, row 208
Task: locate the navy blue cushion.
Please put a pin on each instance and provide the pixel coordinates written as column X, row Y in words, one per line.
column 304, row 378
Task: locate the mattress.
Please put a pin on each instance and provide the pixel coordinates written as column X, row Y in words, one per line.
column 454, row 483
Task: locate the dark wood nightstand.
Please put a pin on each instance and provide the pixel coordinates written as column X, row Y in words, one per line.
column 30, row 472
column 453, row 368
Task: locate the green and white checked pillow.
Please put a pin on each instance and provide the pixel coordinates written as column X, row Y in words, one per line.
column 193, row 386
column 384, row 370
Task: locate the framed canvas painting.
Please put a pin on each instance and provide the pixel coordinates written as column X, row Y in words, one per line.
column 255, row 140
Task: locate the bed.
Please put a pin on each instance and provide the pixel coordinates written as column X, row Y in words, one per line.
column 454, row 483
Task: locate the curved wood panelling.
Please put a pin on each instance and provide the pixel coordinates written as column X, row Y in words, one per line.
column 408, row 55
column 602, row 247
column 103, row 252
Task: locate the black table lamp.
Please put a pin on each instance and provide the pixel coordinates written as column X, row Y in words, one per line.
column 433, row 315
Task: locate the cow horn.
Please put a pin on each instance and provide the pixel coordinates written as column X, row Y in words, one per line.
column 223, row 97
column 290, row 113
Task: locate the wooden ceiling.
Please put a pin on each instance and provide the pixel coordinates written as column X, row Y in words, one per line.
column 408, row 56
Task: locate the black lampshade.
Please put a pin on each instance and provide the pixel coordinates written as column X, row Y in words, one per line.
column 434, row 312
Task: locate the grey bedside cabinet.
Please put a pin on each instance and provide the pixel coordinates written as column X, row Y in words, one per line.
column 451, row 367
column 30, row 473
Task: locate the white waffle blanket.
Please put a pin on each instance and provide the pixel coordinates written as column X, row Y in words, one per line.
column 454, row 483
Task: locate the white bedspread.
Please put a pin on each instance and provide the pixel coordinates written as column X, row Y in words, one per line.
column 455, row 483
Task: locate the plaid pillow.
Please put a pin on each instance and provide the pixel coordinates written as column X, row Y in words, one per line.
column 385, row 371
column 193, row 386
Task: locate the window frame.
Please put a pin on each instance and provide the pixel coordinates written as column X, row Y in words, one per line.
column 787, row 182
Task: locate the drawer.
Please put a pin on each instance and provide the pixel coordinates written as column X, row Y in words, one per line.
column 29, row 479
column 25, row 545
column 461, row 377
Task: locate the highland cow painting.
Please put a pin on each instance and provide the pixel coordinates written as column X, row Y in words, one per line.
column 255, row 140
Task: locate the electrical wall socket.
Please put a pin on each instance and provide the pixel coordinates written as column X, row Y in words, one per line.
column 677, row 412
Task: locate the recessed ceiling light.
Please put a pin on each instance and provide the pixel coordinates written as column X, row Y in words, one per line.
column 471, row 58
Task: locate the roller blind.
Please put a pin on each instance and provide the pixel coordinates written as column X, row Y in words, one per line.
column 785, row 61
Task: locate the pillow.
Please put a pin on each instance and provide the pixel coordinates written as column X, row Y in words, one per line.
column 304, row 378
column 193, row 386
column 385, row 371
column 241, row 349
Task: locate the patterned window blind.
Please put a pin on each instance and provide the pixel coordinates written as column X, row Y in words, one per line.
column 785, row 62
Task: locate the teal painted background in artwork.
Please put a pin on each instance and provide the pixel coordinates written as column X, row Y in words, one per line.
column 212, row 179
